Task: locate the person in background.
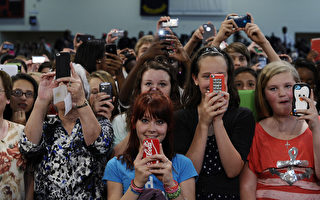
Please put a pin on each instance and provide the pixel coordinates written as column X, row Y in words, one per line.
column 239, row 54
column 154, row 74
column 308, row 73
column 284, row 159
column 245, row 78
column 23, row 96
column 12, row 163
column 101, row 107
column 129, row 175
column 69, row 152
column 212, row 130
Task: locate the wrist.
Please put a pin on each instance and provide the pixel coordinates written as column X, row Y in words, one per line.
column 83, row 103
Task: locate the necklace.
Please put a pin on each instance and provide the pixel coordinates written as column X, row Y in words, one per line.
column 289, row 134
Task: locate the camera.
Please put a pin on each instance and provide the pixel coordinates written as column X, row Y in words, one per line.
column 173, row 23
column 241, row 21
column 118, row 33
column 84, row 38
column 8, row 46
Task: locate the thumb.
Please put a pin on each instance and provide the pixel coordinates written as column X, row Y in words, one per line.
column 73, row 72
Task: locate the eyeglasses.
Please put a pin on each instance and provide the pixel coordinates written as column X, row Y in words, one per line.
column 19, row 93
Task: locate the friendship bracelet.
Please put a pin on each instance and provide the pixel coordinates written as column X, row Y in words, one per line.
column 172, row 189
column 135, row 189
column 175, row 194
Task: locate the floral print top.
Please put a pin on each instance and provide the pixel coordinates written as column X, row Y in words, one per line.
column 65, row 167
column 12, row 164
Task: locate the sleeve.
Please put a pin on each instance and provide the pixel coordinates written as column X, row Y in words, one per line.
column 119, row 128
column 103, row 143
column 254, row 156
column 29, row 149
column 184, row 130
column 243, row 132
column 111, row 172
column 186, row 168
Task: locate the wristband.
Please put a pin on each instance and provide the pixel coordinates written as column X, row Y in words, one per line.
column 85, row 103
column 175, row 194
column 172, row 189
column 135, row 189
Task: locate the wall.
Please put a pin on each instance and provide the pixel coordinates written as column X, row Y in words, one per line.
column 98, row 16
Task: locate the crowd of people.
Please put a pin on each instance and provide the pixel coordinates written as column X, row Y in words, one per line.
column 67, row 138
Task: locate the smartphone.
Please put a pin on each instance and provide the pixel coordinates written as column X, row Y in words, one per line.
column 84, row 38
column 106, row 87
column 8, row 46
column 62, row 64
column 19, row 65
column 300, row 90
column 118, row 33
column 38, row 59
column 152, row 147
column 217, row 83
column 172, row 23
column 263, row 61
column 241, row 21
column 111, row 48
column 162, row 34
column 9, row 69
column 208, row 32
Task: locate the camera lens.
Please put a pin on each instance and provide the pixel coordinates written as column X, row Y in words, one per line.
column 208, row 29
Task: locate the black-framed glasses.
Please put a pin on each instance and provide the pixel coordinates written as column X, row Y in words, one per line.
column 19, row 93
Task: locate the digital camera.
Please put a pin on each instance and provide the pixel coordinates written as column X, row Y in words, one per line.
column 241, row 21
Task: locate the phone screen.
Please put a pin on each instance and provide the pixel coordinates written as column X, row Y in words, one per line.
column 38, row 59
column 62, row 64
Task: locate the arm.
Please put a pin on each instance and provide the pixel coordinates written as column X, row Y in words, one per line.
column 255, row 34
column 33, row 129
column 114, row 67
column 312, row 118
column 194, row 40
column 248, row 184
column 207, row 110
column 89, row 123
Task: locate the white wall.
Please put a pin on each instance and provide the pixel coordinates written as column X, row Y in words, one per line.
column 97, row 16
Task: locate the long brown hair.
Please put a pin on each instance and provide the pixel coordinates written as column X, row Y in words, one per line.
column 158, row 106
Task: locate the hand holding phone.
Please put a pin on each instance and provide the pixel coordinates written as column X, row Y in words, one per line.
column 106, row 87
column 300, row 90
column 151, row 147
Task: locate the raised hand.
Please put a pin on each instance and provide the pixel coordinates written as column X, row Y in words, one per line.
column 163, row 169
column 102, row 107
column 74, row 86
column 141, row 168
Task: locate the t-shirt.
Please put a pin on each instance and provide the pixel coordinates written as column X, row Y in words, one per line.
column 117, row 171
column 12, row 164
column 267, row 152
column 239, row 124
column 119, row 125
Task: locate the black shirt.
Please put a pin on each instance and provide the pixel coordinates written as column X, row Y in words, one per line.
column 239, row 124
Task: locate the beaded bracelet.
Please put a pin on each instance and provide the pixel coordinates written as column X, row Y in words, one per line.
column 135, row 189
column 175, row 194
column 172, row 189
